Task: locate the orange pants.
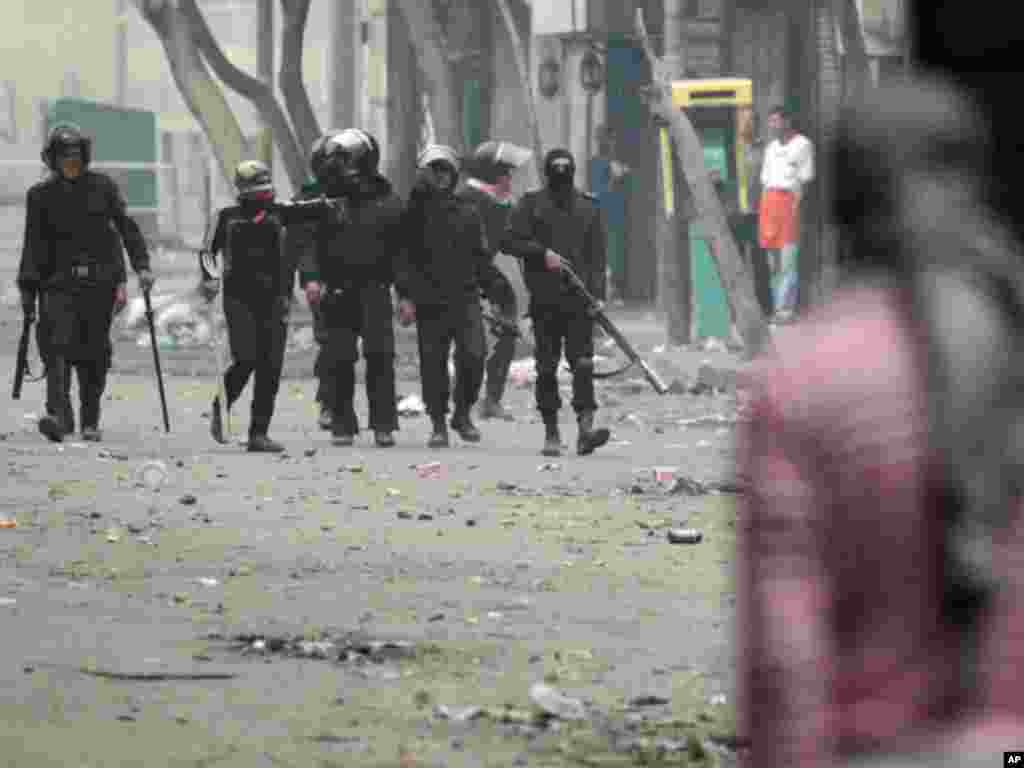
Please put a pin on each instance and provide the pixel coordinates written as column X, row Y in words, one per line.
column 779, row 219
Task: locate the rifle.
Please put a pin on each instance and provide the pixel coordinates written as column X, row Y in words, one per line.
column 156, row 358
column 21, row 367
column 315, row 206
column 596, row 311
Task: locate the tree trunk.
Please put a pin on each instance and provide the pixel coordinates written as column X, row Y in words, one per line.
column 295, row 14
column 426, row 38
column 736, row 278
column 261, row 94
column 201, row 93
column 524, row 75
column 265, row 66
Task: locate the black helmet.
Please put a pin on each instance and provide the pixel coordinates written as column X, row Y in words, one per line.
column 350, row 154
column 253, row 180
column 494, row 159
column 66, row 139
column 316, row 158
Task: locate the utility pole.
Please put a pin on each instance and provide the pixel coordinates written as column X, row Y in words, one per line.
column 673, row 242
column 265, row 65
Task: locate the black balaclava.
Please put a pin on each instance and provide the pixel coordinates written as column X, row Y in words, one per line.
column 560, row 174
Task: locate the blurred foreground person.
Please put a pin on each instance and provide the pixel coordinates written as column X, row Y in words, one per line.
column 880, row 554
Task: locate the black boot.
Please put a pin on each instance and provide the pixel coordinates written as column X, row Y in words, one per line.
column 439, row 435
column 590, row 439
column 326, row 417
column 463, row 424
column 263, row 444
column 52, row 427
column 92, row 434
column 552, row 437
column 493, row 409
column 344, row 426
column 217, row 421
column 383, row 438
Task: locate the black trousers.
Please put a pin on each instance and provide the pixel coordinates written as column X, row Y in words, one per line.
column 504, row 348
column 75, row 323
column 437, row 329
column 360, row 311
column 258, row 334
column 324, row 394
column 556, row 327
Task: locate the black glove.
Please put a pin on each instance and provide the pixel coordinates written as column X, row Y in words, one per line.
column 146, row 279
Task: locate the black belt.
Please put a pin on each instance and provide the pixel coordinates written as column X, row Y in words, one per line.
column 90, row 271
column 345, row 287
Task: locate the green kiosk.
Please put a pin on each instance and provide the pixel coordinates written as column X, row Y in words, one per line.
column 720, row 110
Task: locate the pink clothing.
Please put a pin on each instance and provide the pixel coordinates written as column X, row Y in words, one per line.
column 842, row 646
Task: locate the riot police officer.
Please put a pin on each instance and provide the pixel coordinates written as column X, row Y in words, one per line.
column 489, row 187
column 549, row 225
column 72, row 264
column 350, row 275
column 301, row 244
column 258, row 281
column 438, row 285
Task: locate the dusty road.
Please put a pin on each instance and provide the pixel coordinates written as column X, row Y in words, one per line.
column 500, row 571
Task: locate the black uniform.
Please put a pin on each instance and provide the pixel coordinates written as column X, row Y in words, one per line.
column 571, row 226
column 499, row 292
column 301, row 239
column 72, row 259
column 354, row 259
column 258, row 278
column 445, row 262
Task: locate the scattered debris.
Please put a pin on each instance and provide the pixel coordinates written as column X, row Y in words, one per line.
column 158, row 677
column 686, row 485
column 316, row 649
column 309, row 453
column 649, row 700
column 555, row 704
column 549, row 467
column 188, row 499
column 112, row 456
column 428, row 470
column 206, row 581
column 664, row 474
column 411, row 405
column 684, row 536
column 152, row 475
column 677, row 387
column 459, row 714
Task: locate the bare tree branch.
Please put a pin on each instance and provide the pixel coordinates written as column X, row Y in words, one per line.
column 261, row 94
column 201, row 93
column 427, row 38
column 736, row 278
column 524, row 75
column 296, row 98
